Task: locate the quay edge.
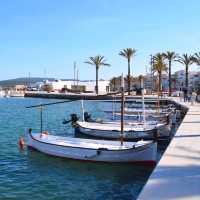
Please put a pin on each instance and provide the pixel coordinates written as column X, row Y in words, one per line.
column 177, row 175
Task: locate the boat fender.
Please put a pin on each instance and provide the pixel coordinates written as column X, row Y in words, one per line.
column 21, row 143
column 44, row 133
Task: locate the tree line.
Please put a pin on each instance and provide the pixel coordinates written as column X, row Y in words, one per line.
column 161, row 62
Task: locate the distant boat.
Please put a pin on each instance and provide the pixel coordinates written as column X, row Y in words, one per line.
column 143, row 152
column 112, row 130
column 165, row 107
column 148, row 111
column 17, row 94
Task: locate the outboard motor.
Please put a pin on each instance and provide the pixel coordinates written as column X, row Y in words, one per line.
column 88, row 118
column 74, row 119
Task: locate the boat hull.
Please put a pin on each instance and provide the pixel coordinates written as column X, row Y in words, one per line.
column 145, row 154
column 128, row 135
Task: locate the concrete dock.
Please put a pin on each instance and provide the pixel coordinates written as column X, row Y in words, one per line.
column 177, row 175
column 92, row 96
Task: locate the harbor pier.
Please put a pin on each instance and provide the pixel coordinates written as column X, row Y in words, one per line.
column 177, row 175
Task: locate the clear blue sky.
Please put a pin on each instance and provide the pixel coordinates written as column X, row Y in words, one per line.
column 49, row 35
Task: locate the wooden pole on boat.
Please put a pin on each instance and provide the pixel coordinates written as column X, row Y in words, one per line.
column 158, row 100
column 122, row 111
column 113, row 107
column 82, row 110
column 143, row 105
column 41, row 119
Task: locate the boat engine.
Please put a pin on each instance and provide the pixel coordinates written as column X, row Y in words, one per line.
column 88, row 118
column 74, row 119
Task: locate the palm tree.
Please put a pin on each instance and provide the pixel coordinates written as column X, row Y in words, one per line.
column 114, row 82
column 159, row 66
column 128, row 53
column 170, row 56
column 196, row 58
column 186, row 60
column 97, row 61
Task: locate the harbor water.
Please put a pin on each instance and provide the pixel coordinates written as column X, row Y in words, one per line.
column 32, row 175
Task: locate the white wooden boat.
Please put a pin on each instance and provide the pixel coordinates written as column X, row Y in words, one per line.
column 148, row 111
column 143, row 152
column 17, row 94
column 165, row 107
column 138, row 116
column 112, row 130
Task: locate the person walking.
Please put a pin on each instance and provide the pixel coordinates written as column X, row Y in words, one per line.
column 193, row 97
column 181, row 96
column 185, row 95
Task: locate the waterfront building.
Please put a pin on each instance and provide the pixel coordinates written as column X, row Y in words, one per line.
column 194, row 80
column 76, row 86
column 115, row 83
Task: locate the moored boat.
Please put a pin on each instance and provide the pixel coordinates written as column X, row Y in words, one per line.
column 143, row 152
column 111, row 130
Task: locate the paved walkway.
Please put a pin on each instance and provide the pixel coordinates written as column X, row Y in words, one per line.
column 177, row 175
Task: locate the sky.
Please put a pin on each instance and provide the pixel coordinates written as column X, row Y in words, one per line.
column 45, row 37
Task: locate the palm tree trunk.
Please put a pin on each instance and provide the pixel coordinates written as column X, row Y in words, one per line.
column 97, row 79
column 159, row 89
column 115, row 84
column 186, row 77
column 170, row 87
column 159, row 83
column 129, row 78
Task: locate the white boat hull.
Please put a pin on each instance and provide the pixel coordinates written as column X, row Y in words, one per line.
column 111, row 131
column 115, row 134
column 101, row 150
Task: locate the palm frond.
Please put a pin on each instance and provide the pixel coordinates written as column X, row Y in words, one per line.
column 170, row 56
column 127, row 53
column 159, row 64
column 196, row 58
column 186, row 59
column 97, row 61
column 88, row 62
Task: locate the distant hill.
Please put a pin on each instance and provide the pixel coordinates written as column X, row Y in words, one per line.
column 24, row 81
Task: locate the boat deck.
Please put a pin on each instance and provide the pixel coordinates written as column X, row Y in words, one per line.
column 86, row 143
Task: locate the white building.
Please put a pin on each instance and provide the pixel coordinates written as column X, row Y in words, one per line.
column 85, row 86
column 193, row 79
column 58, row 85
column 104, row 86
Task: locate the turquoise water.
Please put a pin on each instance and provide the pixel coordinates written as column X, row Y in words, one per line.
column 32, row 175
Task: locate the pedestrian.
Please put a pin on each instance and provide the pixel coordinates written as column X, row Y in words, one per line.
column 181, row 96
column 185, row 95
column 193, row 97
